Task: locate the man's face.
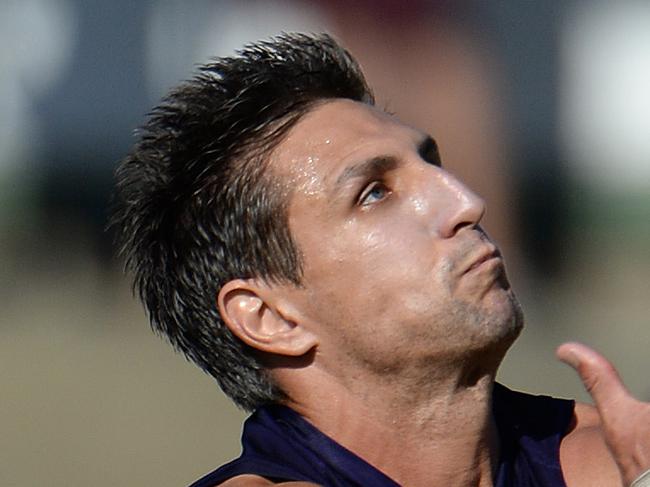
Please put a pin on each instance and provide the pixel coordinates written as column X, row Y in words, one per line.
column 396, row 269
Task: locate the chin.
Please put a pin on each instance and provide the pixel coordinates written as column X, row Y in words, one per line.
column 484, row 332
column 508, row 322
column 498, row 332
column 500, row 319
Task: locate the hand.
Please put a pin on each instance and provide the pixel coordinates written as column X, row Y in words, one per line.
column 625, row 420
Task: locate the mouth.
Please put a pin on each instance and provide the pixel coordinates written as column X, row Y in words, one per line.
column 488, row 264
column 489, row 256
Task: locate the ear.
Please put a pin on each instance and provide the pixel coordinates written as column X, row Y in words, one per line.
column 256, row 313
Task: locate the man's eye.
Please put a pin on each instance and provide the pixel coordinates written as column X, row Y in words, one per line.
column 374, row 192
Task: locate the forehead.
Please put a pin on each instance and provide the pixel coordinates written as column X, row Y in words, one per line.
column 334, row 135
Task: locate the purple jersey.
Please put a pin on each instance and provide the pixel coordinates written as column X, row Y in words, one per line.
column 282, row 446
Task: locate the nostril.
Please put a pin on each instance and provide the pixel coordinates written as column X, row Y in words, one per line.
column 460, row 226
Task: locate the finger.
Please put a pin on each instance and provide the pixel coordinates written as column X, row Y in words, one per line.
column 598, row 375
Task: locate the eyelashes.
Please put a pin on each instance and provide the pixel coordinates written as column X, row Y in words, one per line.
column 373, row 193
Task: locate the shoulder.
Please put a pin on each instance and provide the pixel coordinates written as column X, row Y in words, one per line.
column 584, row 456
column 257, row 481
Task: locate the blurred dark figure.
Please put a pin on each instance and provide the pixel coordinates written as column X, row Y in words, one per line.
column 85, row 120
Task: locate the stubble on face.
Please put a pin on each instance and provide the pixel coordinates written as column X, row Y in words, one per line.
column 441, row 334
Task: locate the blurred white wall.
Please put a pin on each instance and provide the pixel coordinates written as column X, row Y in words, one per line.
column 606, row 94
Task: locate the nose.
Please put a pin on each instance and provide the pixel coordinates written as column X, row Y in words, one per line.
column 466, row 208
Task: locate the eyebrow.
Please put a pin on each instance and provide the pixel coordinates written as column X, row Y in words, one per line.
column 373, row 167
column 379, row 165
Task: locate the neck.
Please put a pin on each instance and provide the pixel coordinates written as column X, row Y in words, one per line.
column 437, row 433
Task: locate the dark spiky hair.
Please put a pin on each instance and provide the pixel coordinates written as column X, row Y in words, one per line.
column 197, row 206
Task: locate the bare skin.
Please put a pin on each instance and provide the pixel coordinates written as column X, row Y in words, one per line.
column 391, row 344
column 621, row 422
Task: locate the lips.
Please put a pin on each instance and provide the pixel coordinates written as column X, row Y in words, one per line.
column 485, row 255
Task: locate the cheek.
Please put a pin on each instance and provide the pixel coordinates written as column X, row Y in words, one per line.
column 380, row 274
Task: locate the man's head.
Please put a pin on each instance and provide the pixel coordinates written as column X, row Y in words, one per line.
column 197, row 207
column 276, row 221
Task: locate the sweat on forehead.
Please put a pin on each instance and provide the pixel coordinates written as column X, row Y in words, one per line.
column 332, row 133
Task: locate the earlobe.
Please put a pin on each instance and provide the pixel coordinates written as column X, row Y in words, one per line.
column 255, row 316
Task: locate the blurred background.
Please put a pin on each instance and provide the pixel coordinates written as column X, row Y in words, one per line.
column 542, row 107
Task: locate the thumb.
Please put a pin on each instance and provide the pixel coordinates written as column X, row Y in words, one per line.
column 598, row 375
